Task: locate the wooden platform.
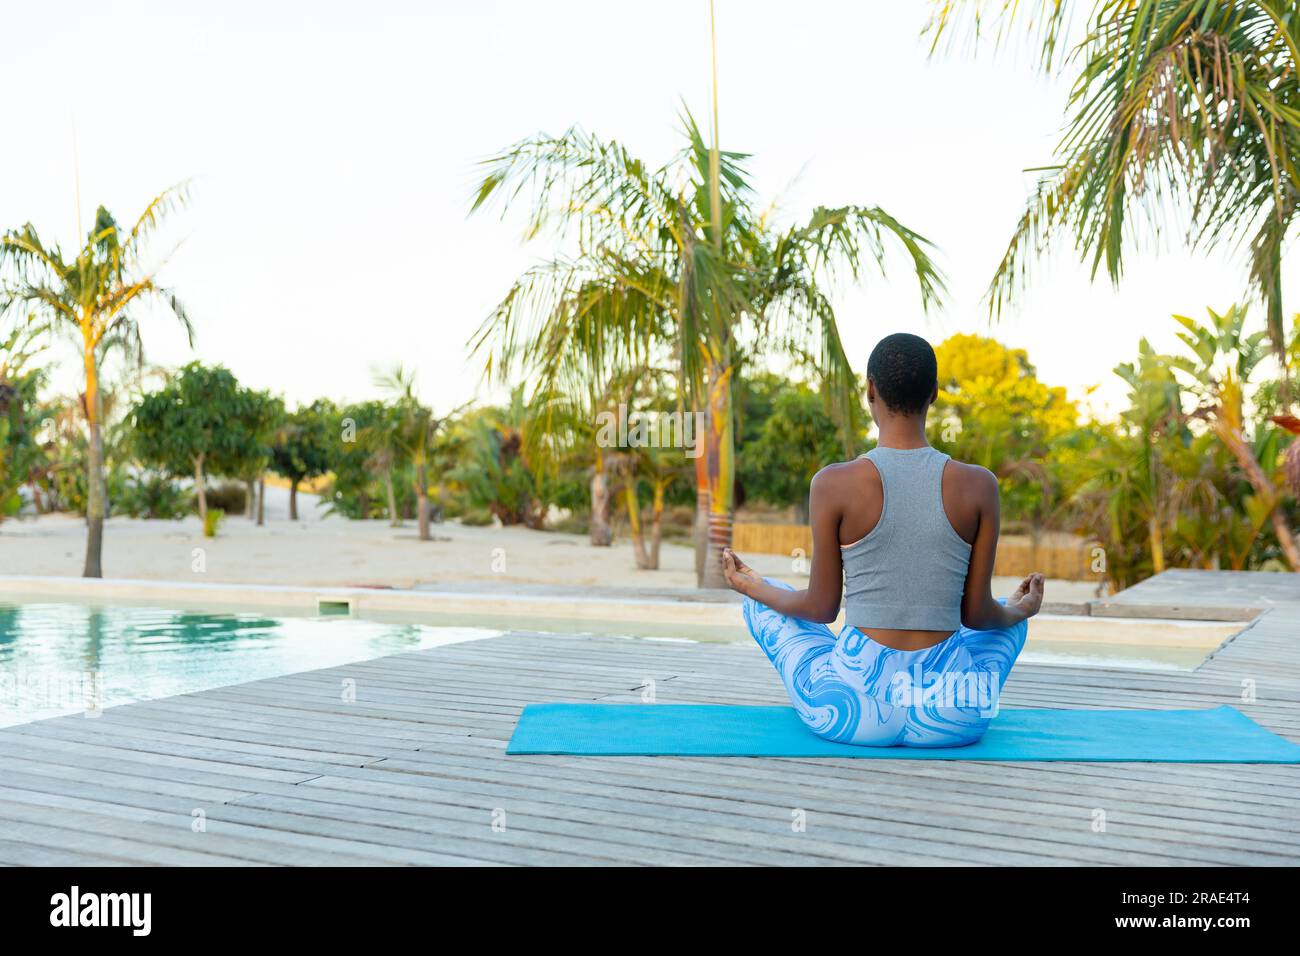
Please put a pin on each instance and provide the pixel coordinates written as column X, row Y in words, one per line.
column 413, row 771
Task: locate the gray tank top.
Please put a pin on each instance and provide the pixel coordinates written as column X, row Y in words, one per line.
column 909, row 572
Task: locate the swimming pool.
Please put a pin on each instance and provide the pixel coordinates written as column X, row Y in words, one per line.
column 61, row 658
column 1073, row 640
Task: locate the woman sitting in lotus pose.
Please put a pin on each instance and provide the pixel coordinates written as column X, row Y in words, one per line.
column 910, row 535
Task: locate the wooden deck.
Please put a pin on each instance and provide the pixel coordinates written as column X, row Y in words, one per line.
column 288, row 771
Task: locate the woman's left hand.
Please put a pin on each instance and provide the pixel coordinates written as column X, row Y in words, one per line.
column 740, row 576
column 1028, row 598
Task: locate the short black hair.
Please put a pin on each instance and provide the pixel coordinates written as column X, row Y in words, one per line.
column 905, row 372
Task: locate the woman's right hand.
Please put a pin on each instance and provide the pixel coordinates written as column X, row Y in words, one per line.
column 1028, row 598
column 741, row 578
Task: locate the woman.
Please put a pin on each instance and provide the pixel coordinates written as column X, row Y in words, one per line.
column 911, row 536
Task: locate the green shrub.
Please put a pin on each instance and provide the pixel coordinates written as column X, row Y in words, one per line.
column 476, row 518
column 572, row 523
column 150, row 496
column 212, row 522
column 453, row 504
column 229, row 496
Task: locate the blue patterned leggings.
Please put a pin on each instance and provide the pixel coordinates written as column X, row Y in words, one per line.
column 852, row 690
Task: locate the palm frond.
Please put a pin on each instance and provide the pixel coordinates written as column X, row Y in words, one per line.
column 28, row 260
column 581, row 183
column 1184, row 110
column 170, row 200
column 1045, row 25
column 851, row 237
column 95, row 291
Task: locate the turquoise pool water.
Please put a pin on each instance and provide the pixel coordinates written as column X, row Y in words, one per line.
column 60, row 658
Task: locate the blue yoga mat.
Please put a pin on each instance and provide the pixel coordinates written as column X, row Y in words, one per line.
column 1220, row 735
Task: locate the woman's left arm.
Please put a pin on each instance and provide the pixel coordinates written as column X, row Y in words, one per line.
column 820, row 601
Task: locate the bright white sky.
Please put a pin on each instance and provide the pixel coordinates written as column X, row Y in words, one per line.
column 332, row 148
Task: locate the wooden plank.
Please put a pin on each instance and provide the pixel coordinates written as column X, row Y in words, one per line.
column 166, row 832
column 13, row 853
column 851, row 818
column 286, row 770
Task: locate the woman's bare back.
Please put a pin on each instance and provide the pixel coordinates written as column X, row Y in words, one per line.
column 857, row 493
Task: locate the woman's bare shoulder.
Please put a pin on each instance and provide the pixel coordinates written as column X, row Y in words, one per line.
column 840, row 471
column 851, row 477
column 974, row 478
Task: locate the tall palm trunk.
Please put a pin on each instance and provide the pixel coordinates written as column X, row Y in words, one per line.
column 1156, row 541
column 657, row 524
column 1271, row 279
column 602, row 535
column 719, row 465
column 95, row 496
column 1155, row 534
column 422, row 499
column 700, row 532
column 715, row 468
column 393, row 519
column 200, row 488
column 634, row 524
column 720, row 451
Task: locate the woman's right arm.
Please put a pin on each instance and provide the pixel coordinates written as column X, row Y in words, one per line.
column 980, row 611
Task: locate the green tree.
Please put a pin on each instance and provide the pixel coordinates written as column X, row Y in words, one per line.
column 1223, row 356
column 381, row 439
column 796, row 439
column 415, row 437
column 305, row 445
column 1157, row 489
column 495, row 468
column 1128, row 497
column 677, row 260
column 647, row 456
column 564, row 438
column 656, row 469
column 993, row 411
column 247, row 455
column 579, row 432
column 370, row 455
column 199, row 423
column 21, row 455
column 97, row 296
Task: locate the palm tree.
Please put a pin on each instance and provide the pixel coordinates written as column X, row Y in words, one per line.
column 417, row 429
column 659, row 469
column 384, row 459
column 384, row 452
column 95, row 296
column 494, row 449
column 575, row 433
column 1223, row 356
column 565, row 413
column 657, row 272
column 1155, row 419
column 1181, row 105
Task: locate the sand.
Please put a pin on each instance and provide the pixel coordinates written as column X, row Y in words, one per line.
column 333, row 551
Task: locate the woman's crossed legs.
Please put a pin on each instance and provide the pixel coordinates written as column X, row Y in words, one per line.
column 852, row 690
